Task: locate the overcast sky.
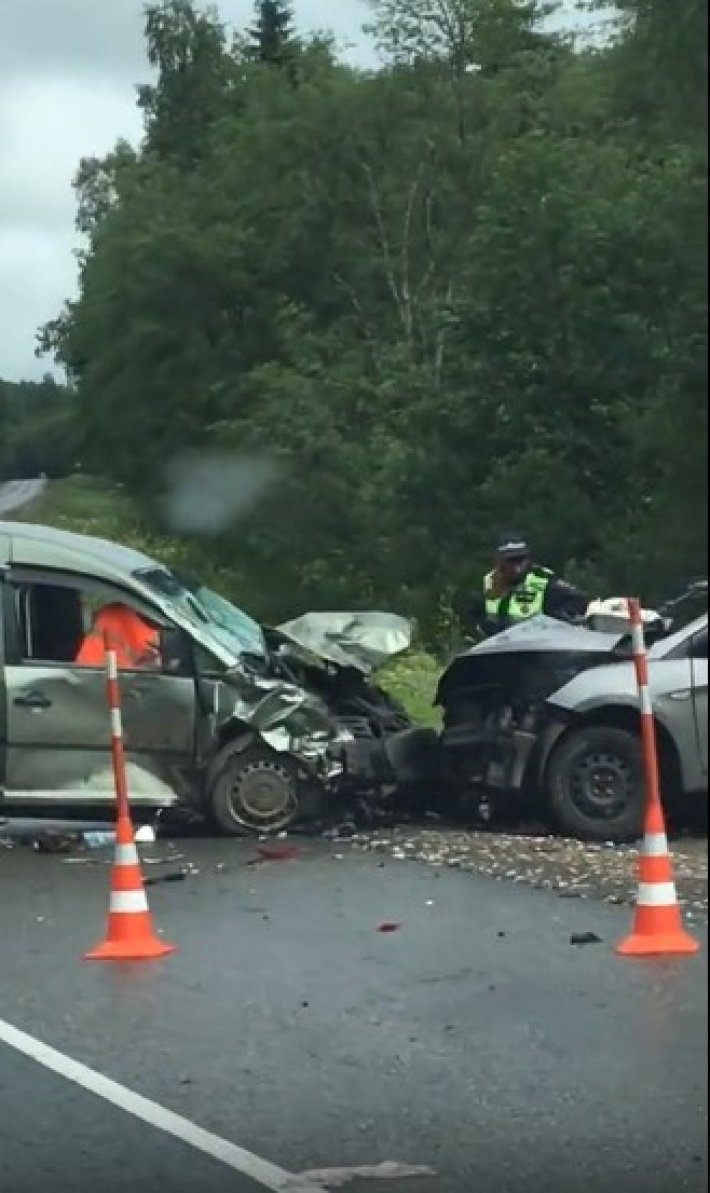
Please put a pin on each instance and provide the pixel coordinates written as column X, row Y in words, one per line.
column 68, row 69
column 67, row 75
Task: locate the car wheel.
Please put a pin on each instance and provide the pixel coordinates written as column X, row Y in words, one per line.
column 595, row 785
column 253, row 791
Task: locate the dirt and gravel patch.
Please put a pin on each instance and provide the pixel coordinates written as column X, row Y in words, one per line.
column 575, row 870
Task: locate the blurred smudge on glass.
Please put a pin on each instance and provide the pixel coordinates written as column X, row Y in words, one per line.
column 208, row 491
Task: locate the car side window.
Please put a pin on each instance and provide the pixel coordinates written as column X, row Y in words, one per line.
column 698, row 646
column 57, row 620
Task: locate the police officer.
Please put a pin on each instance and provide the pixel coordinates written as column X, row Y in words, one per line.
column 517, row 589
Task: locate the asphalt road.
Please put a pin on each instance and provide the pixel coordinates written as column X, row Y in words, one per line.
column 475, row 1040
column 58, row 1137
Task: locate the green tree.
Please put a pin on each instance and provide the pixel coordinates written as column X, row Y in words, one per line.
column 661, row 66
column 466, row 289
column 484, row 35
column 196, row 77
column 271, row 39
column 39, row 431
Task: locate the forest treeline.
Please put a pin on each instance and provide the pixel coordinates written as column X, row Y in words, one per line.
column 466, row 290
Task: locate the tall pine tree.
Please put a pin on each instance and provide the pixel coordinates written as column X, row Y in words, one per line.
column 271, row 40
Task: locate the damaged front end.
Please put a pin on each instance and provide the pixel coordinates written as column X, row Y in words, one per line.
column 493, row 698
column 307, row 719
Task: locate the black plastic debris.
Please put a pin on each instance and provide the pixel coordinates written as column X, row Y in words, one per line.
column 582, row 938
column 173, row 876
column 49, row 842
column 341, row 832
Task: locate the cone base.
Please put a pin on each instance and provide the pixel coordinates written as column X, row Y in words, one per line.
column 130, row 950
column 662, row 944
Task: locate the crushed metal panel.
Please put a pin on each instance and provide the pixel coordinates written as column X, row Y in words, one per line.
column 287, row 717
column 364, row 640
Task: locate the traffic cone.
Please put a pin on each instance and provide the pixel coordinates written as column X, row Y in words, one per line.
column 658, row 925
column 130, row 935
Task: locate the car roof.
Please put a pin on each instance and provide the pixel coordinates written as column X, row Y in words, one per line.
column 44, row 546
column 27, row 544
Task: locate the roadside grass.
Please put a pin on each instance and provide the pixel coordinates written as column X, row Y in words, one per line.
column 87, row 505
column 412, row 679
column 84, row 505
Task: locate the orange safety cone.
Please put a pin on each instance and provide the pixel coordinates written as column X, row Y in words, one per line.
column 130, row 935
column 658, row 925
column 658, row 929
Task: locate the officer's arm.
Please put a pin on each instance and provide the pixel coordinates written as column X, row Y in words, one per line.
column 478, row 619
column 564, row 601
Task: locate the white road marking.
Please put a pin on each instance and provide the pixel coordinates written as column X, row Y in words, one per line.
column 262, row 1172
column 15, row 494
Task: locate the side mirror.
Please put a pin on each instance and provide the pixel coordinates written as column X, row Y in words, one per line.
column 176, row 652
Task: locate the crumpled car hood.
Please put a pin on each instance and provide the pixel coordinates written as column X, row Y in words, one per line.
column 545, row 634
column 363, row 640
column 542, row 648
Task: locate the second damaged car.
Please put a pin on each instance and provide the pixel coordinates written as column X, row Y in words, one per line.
column 544, row 718
column 257, row 728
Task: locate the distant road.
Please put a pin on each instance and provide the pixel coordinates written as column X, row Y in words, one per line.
column 15, row 494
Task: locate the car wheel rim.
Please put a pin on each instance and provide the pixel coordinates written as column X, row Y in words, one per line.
column 602, row 785
column 263, row 797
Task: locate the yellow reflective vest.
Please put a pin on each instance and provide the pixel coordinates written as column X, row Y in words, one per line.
column 526, row 599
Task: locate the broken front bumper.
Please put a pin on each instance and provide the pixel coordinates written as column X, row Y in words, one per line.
column 493, row 758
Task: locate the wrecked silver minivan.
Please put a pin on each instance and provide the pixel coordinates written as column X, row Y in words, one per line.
column 256, row 727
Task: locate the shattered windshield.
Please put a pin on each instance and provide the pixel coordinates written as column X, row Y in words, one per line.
column 233, row 628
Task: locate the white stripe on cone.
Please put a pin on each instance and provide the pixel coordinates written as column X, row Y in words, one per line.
column 657, row 894
column 128, row 901
column 655, row 845
column 126, row 855
column 112, row 664
column 116, row 725
column 646, row 705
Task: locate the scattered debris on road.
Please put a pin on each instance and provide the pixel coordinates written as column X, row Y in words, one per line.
column 336, row 1178
column 573, row 869
column 52, row 842
column 171, row 876
column 274, row 853
column 581, row 938
column 389, row 926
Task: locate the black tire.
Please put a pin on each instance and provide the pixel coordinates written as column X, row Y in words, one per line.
column 253, row 791
column 594, row 785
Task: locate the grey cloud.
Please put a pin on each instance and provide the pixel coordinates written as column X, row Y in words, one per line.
column 104, row 38
column 68, row 70
column 70, row 37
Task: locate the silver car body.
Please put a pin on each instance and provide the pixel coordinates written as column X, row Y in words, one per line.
column 678, row 680
column 54, row 722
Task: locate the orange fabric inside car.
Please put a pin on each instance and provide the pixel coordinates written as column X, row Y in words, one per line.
column 135, row 642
